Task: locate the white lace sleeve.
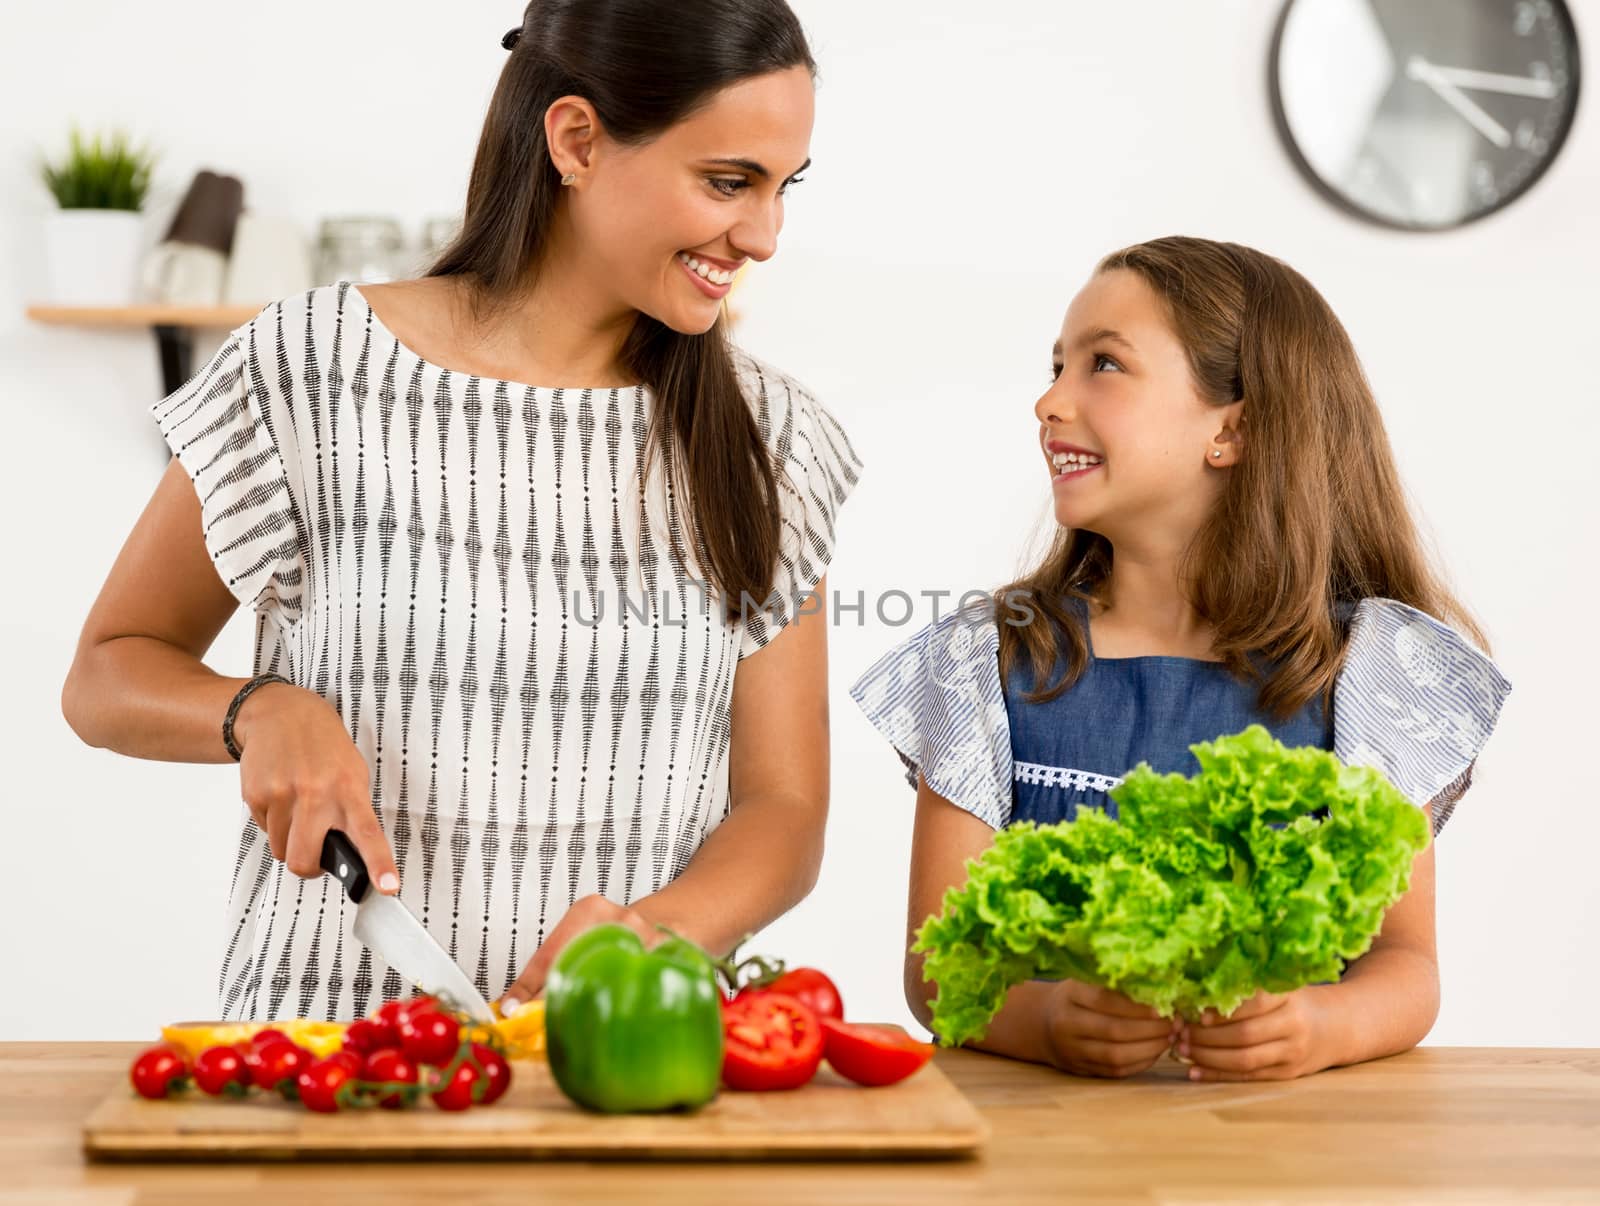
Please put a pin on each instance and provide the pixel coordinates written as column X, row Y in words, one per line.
column 233, row 433
column 937, row 699
column 1417, row 700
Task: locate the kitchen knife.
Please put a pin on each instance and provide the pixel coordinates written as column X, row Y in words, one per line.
column 392, row 933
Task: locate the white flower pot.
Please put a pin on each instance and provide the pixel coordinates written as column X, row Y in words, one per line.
column 93, row 256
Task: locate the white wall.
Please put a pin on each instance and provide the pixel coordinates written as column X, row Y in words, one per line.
column 970, row 168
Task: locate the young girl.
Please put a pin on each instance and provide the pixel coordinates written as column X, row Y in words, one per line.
column 1234, row 549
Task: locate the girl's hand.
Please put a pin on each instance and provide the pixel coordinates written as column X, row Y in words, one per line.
column 1097, row 1032
column 1269, row 1037
column 301, row 775
column 585, row 914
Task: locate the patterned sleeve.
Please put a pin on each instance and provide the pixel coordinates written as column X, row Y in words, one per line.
column 937, row 699
column 218, row 426
column 1417, row 700
column 816, row 469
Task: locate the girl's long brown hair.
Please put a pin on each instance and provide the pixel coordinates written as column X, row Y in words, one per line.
column 1313, row 515
column 643, row 64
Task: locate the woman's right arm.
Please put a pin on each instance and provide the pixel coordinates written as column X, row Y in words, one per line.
column 138, row 686
column 1072, row 1026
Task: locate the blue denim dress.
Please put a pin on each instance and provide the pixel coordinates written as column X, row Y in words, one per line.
column 1069, row 752
column 1415, row 699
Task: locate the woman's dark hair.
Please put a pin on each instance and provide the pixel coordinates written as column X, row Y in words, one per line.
column 644, row 65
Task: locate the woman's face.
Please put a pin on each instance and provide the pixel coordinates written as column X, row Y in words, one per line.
column 1127, row 440
column 670, row 222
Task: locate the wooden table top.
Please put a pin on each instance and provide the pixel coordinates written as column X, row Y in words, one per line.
column 1479, row 1125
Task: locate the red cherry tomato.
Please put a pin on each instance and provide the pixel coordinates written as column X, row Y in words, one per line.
column 277, row 1063
column 221, row 1070
column 390, row 1066
column 873, row 1055
column 158, row 1070
column 366, row 1035
column 319, row 1084
column 496, row 1072
column 392, row 1013
column 455, row 1093
column 812, row 988
column 770, row 1041
column 353, row 1060
column 252, row 1047
column 430, row 1037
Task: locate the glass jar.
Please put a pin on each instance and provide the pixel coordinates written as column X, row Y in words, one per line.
column 359, row 249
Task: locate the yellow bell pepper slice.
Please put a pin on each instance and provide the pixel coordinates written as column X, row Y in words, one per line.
column 522, row 1035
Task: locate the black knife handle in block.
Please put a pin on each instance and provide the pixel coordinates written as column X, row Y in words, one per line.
column 340, row 860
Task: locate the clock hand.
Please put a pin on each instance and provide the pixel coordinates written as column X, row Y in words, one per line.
column 1490, row 81
column 1420, row 69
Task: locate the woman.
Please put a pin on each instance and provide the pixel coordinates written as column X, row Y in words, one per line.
column 503, row 519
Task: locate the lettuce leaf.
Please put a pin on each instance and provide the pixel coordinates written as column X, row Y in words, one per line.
column 1267, row 870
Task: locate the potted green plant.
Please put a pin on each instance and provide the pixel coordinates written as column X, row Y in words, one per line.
column 93, row 240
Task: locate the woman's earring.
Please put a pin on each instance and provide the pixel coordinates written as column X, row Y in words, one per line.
column 569, row 177
column 1216, row 452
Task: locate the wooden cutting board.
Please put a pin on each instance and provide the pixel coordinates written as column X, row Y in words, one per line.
column 923, row 1117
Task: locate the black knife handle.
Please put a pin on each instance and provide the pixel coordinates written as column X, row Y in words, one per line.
column 341, row 860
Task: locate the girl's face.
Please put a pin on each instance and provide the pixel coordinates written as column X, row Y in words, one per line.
column 669, row 223
column 1129, row 445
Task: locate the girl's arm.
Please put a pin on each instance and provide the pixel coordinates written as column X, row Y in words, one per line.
column 1076, row 1027
column 1388, row 999
column 764, row 858
column 1385, row 1003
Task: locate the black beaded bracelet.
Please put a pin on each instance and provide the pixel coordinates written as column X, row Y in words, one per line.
column 259, row 680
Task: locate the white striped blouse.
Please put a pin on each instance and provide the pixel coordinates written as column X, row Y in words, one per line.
column 479, row 578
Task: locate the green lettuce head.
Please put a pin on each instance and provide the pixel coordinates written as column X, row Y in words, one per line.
column 1267, row 870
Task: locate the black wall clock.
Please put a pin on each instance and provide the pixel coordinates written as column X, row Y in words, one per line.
column 1424, row 114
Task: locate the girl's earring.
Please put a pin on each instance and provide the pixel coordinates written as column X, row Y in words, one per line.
column 569, row 177
column 1216, row 452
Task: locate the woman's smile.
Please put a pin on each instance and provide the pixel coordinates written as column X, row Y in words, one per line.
column 708, row 278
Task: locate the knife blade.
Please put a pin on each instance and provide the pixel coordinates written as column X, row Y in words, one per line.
column 392, row 932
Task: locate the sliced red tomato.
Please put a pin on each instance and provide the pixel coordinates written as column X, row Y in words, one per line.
column 873, row 1055
column 770, row 1041
column 813, row 988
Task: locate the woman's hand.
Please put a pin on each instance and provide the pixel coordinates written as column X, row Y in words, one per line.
column 1094, row 1031
column 585, row 913
column 301, row 775
column 1269, row 1037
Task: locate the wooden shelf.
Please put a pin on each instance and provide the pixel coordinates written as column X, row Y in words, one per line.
column 223, row 317
column 173, row 326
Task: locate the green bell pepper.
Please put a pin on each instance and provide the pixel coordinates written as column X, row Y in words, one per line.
column 630, row 1030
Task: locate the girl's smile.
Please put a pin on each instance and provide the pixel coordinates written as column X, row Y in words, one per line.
column 1069, row 462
